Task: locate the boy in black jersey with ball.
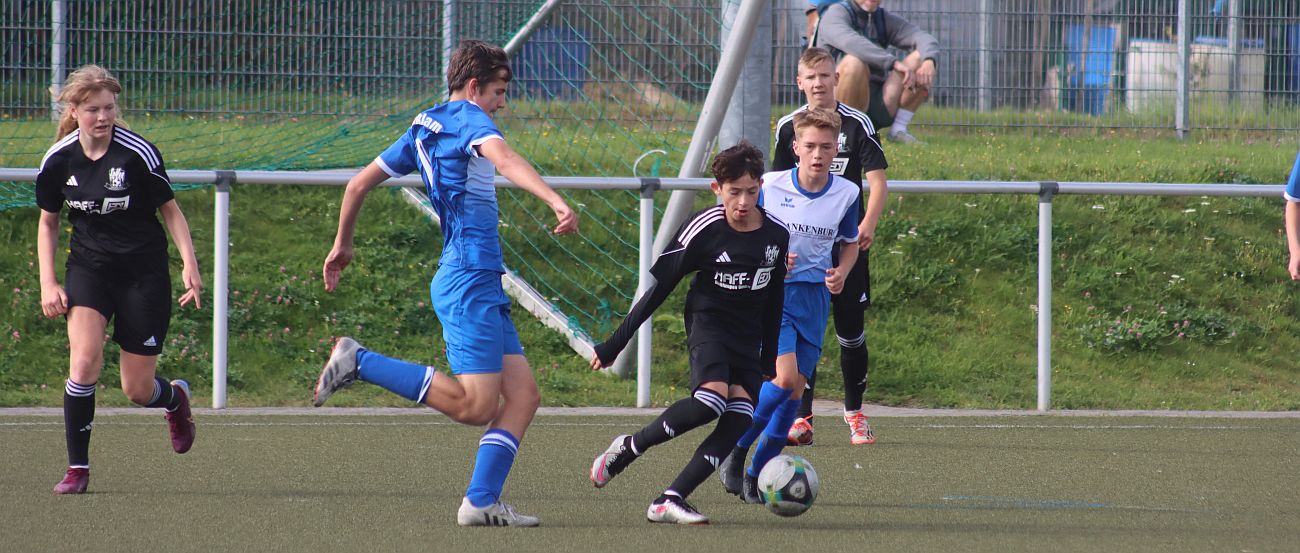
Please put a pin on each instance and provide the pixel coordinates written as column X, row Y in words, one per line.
column 732, row 316
column 860, row 156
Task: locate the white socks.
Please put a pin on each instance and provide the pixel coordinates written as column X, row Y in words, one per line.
column 901, row 120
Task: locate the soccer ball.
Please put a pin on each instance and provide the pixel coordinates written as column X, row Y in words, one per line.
column 788, row 485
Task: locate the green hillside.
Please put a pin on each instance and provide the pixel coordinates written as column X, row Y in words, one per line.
column 1160, row 302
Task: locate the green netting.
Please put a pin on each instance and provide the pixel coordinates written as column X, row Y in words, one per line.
column 281, row 84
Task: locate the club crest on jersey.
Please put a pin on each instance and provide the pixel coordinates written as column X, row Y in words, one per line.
column 116, row 180
column 769, row 255
column 72, row 181
column 843, row 141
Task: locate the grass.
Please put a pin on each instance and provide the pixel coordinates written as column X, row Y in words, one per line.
column 1160, row 302
column 342, row 483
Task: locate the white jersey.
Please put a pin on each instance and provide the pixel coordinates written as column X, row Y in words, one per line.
column 817, row 221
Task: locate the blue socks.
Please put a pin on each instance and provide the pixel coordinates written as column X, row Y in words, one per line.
column 405, row 379
column 770, row 396
column 496, row 454
column 774, row 435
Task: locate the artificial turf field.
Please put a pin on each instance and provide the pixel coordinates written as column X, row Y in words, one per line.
column 335, row 481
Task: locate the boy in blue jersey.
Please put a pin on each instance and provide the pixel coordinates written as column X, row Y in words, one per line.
column 1292, row 213
column 820, row 210
column 457, row 149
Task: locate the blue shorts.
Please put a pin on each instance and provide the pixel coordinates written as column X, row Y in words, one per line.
column 803, row 323
column 475, row 316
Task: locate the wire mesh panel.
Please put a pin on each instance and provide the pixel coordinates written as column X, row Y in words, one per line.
column 1110, row 63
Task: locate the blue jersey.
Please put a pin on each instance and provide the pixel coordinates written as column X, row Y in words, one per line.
column 441, row 145
column 816, row 220
column 1293, row 183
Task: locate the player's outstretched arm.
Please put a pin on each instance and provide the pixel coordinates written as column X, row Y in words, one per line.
column 54, row 301
column 517, row 169
column 1293, row 238
column 355, row 194
column 668, row 270
column 179, row 228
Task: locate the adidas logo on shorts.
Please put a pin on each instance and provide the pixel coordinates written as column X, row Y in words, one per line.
column 151, row 342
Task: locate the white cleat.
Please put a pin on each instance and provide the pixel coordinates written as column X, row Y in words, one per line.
column 339, row 372
column 496, row 514
column 609, row 464
column 675, row 510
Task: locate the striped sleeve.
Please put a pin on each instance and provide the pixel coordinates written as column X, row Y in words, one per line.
column 150, row 160
column 678, row 260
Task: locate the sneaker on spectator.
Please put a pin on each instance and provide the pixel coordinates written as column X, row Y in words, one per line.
column 903, row 137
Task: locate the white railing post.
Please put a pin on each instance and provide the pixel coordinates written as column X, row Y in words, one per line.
column 1184, row 86
column 220, row 285
column 643, row 349
column 985, row 76
column 1045, row 193
column 58, row 52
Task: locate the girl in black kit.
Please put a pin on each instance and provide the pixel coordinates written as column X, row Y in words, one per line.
column 733, row 318
column 113, row 182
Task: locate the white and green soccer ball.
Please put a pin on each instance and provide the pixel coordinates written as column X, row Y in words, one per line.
column 788, row 485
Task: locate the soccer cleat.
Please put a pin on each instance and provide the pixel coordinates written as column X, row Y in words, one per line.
column 339, row 372
column 496, row 514
column 801, row 432
column 674, row 509
column 750, row 493
column 181, row 421
column 731, row 471
column 610, row 463
column 859, row 429
column 75, row 481
column 903, row 137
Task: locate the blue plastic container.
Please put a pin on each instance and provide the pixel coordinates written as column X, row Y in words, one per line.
column 552, row 65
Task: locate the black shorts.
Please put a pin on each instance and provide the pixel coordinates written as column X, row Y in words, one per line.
column 715, row 362
column 857, row 285
column 876, row 110
column 132, row 292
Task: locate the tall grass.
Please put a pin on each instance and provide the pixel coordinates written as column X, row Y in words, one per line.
column 1161, row 302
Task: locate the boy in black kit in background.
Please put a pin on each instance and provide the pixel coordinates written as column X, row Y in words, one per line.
column 732, row 317
column 859, row 158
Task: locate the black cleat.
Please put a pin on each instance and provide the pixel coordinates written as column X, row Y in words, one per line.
column 732, row 469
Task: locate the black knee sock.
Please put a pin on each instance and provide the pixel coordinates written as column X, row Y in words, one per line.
column 679, row 418
column 78, row 417
column 805, row 404
column 731, row 425
column 163, row 395
column 853, row 364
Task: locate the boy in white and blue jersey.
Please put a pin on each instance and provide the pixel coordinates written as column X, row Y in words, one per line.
column 821, row 212
column 1292, row 213
column 457, row 149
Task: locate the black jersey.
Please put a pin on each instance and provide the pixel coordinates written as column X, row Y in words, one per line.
column 738, row 290
column 112, row 201
column 859, row 145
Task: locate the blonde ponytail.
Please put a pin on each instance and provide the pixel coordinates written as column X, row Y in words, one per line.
column 80, row 85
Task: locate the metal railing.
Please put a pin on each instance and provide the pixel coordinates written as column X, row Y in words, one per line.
column 1046, row 192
